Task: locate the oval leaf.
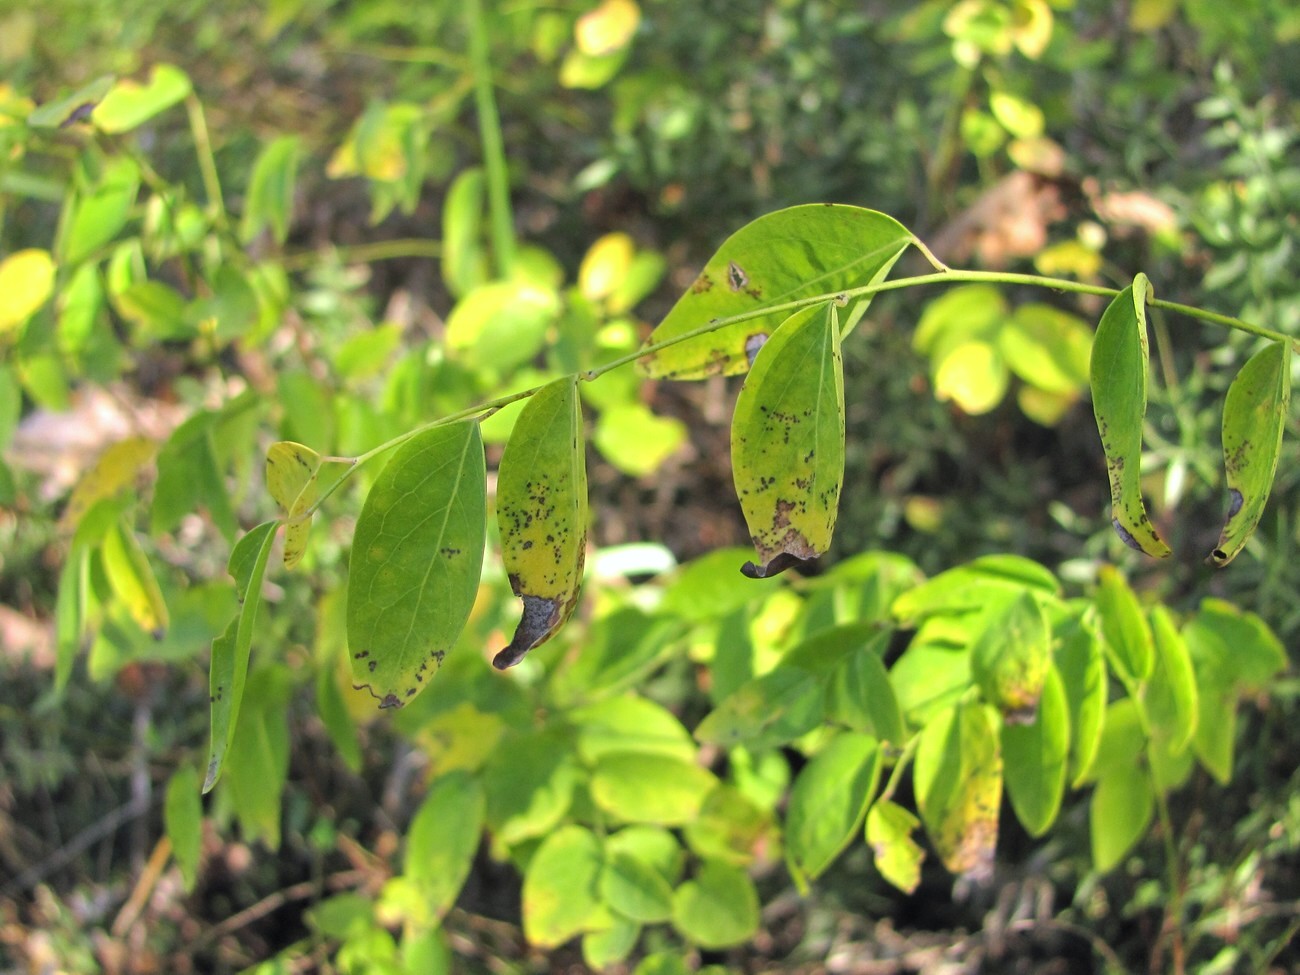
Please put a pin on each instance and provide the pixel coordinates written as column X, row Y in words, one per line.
column 717, row 909
column 183, row 821
column 1035, row 756
column 26, row 281
column 269, row 203
column 898, row 856
column 828, row 801
column 1254, row 415
column 1119, row 401
column 1082, row 666
column 794, row 253
column 561, row 888
column 1121, row 808
column 787, row 442
column 416, row 559
column 542, row 515
column 1125, row 631
column 958, row 782
column 1011, row 658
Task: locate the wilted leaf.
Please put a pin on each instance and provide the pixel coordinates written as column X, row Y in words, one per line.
column 71, row 108
column 898, row 856
column 417, row 554
column 1119, row 402
column 787, row 442
column 542, row 515
column 790, row 254
column 958, row 782
column 1254, row 416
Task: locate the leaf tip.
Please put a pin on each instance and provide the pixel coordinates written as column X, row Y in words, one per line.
column 776, row 566
column 542, row 616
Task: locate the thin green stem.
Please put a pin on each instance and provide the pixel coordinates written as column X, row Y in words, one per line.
column 383, row 250
column 900, row 766
column 207, row 162
column 501, row 221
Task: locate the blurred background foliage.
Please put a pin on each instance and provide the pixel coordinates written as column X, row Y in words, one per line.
column 1071, row 137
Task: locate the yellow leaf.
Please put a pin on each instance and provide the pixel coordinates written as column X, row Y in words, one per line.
column 116, row 469
column 608, row 28
column 26, row 280
column 605, row 265
column 973, row 376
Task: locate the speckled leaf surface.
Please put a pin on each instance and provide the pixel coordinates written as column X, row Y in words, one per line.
column 787, row 442
column 542, row 515
column 790, row 254
column 417, row 554
column 1254, row 415
column 1119, row 402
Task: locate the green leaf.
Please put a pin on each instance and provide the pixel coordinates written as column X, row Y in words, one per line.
column 709, row 588
column 501, row 325
column 1119, row 813
column 787, row 442
column 130, row 104
column 718, row 908
column 542, row 515
column 100, row 210
column 416, row 559
column 635, row 440
column 231, row 650
column 1124, row 629
column 70, row 611
column 860, row 695
column 973, row 587
column 635, row 889
column 1214, row 739
column 650, row 788
column 1082, row 666
column 443, row 838
column 629, row 723
column 766, row 712
column 71, row 108
column 1035, row 757
column 1047, row 348
column 1254, row 416
column 1011, row 657
column 259, row 768
column 650, row 844
column 601, row 949
column 269, row 203
column 958, row 783
column 156, row 310
column 1257, row 654
column 189, row 478
column 464, row 258
column 928, row 678
column 898, row 857
column 1119, row 401
column 1170, row 699
column 561, row 895
column 183, row 820
column 529, row 779
column 730, row 828
column 781, row 257
column 973, row 375
column 827, row 802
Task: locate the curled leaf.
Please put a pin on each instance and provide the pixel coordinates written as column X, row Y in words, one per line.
column 132, row 579
column 542, row 515
column 1119, row 401
column 1254, row 415
column 787, row 442
column 294, row 478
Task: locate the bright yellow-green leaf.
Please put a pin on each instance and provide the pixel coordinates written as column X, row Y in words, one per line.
column 1121, row 809
column 605, row 265
column 1047, row 348
column 1044, row 408
column 542, row 514
column 1011, row 658
column 502, row 324
column 635, row 440
column 1032, row 27
column 718, row 908
column 607, row 28
column 1254, row 417
column 1127, row 635
column 1035, row 757
column 1171, row 699
column 786, row 255
column 958, row 782
column 1020, row 117
column 417, row 554
column 828, row 800
column 973, row 375
column 132, row 580
column 464, row 255
column 561, row 894
column 295, row 477
column 787, row 442
column 26, row 280
column 100, row 210
column 1119, row 401
column 130, row 103
column 898, row 856
column 117, row 468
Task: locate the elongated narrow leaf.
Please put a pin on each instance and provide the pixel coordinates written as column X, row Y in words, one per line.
column 71, row 108
column 1119, row 402
column 787, row 442
column 1120, row 811
column 783, row 256
column 542, row 515
column 1171, row 699
column 1082, row 665
column 100, row 211
column 183, row 820
column 828, row 801
column 231, row 650
column 1035, row 757
column 1125, row 631
column 442, row 839
column 133, row 581
column 416, row 559
column 269, row 204
column 958, row 782
column 1254, row 415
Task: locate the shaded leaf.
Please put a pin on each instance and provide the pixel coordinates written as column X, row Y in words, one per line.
column 1035, row 756
column 730, row 828
column 600, row 949
column 183, row 821
column 1119, row 401
column 766, row 711
column 958, row 783
column 231, row 650
column 1254, row 416
column 1011, row 657
column 1120, row 811
column 787, row 442
column 442, row 840
column 790, row 254
column 71, row 108
column 417, row 554
column 269, row 202
column 542, row 515
column 464, row 257
column 635, row 889
column 718, row 908
column 827, row 802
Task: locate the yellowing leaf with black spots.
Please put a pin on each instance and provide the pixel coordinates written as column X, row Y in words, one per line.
column 958, row 782
column 787, row 442
column 132, row 580
column 542, row 515
column 116, row 469
column 1254, row 415
column 417, row 554
column 790, row 254
column 1118, row 373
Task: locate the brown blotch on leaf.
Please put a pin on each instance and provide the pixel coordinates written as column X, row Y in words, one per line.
column 702, row 284
column 540, row 619
column 736, row 276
